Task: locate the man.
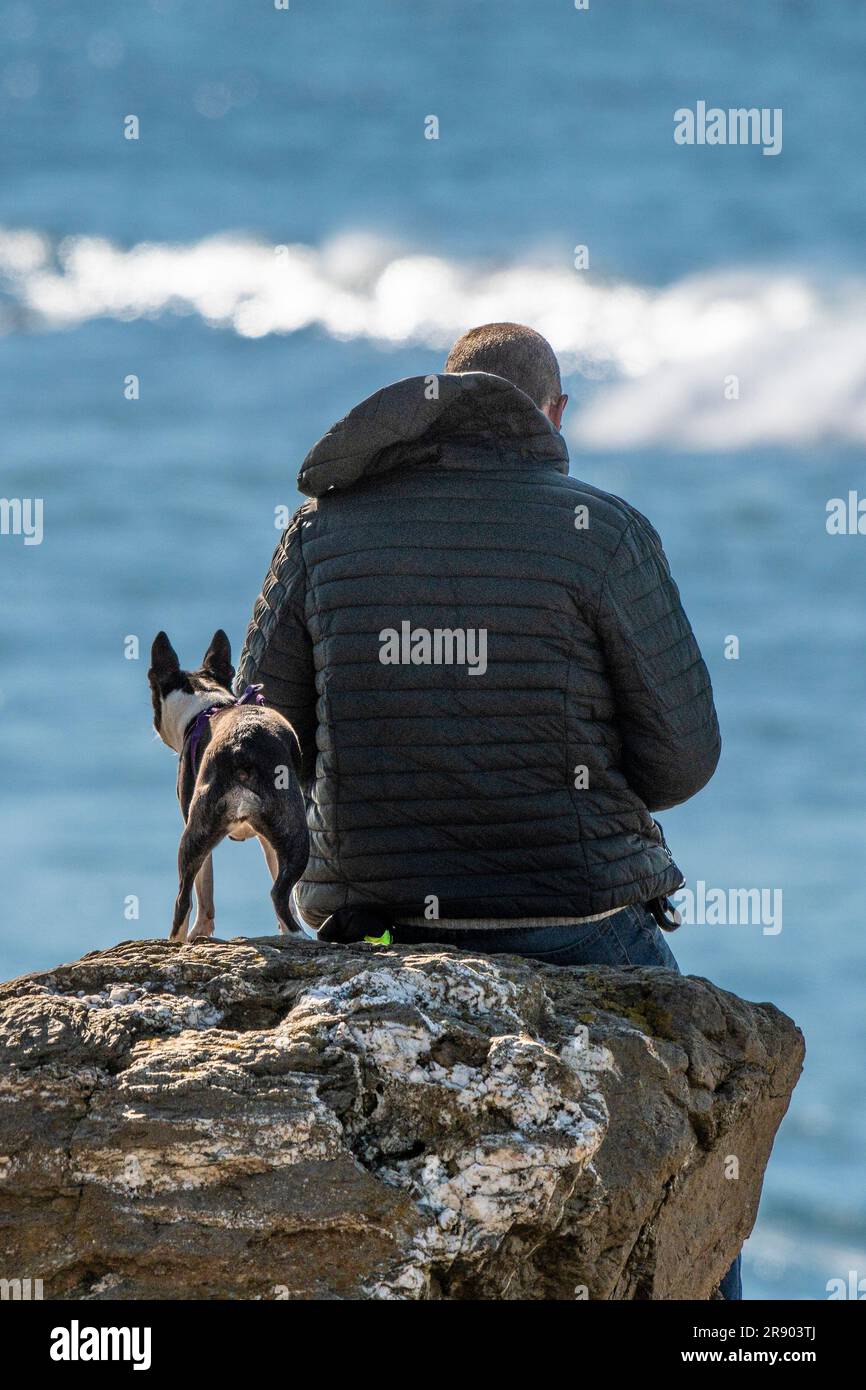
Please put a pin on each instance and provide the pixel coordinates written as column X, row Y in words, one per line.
column 489, row 670
column 492, row 784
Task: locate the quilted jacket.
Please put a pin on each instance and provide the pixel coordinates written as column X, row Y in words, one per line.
column 439, row 506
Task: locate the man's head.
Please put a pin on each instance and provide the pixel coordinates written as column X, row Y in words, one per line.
column 517, row 353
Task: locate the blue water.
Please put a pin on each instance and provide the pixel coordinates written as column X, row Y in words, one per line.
column 305, row 129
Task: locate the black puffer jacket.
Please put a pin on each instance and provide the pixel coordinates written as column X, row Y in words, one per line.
column 427, row 780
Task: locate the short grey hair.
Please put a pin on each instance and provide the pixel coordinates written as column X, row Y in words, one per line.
column 513, row 351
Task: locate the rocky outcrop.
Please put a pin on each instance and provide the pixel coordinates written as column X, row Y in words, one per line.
column 281, row 1119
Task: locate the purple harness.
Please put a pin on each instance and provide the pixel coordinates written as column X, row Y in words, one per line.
column 251, row 696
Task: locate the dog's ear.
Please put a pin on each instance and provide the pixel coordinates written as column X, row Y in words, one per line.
column 163, row 659
column 218, row 659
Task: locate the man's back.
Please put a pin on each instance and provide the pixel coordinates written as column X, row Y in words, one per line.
column 487, row 665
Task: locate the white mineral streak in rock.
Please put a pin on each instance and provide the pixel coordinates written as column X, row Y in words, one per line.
column 297, row 1127
column 150, row 1009
column 106, row 1284
column 209, row 1162
column 537, row 1130
column 585, row 1059
column 163, row 1012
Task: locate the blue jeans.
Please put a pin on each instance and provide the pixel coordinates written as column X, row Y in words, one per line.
column 630, row 937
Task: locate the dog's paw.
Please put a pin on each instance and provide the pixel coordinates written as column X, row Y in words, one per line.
column 201, row 932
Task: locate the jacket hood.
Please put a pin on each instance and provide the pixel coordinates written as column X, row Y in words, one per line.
column 478, row 421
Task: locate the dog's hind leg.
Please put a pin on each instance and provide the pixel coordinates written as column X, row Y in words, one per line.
column 284, row 878
column 203, row 832
column 281, row 897
column 204, row 908
column 274, row 866
column 291, row 860
column 270, row 856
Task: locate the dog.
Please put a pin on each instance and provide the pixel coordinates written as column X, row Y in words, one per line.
column 237, row 776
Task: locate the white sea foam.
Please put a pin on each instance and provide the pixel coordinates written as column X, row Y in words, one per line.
column 654, row 361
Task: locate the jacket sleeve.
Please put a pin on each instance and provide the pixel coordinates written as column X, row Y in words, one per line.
column 278, row 650
column 661, row 687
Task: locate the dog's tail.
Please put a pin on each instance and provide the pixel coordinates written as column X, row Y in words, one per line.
column 241, row 804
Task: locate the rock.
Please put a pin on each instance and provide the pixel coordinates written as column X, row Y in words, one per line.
column 279, row 1119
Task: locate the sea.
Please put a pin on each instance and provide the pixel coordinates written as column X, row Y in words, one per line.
column 225, row 222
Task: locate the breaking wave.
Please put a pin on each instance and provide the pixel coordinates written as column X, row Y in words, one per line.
column 647, row 365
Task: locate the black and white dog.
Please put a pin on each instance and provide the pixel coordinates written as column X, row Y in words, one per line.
column 237, row 776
